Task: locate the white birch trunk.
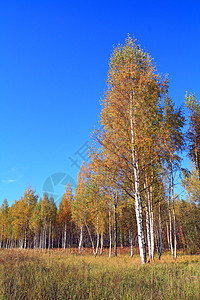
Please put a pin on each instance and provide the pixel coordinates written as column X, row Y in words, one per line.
column 90, row 236
column 110, row 234
column 131, row 241
column 151, row 222
column 173, row 209
column 160, row 232
column 65, row 235
column 115, row 229
column 40, row 240
column 49, row 245
column 101, row 249
column 167, row 226
column 81, row 239
column 1, row 236
column 25, row 237
column 52, row 237
column 45, row 236
column 196, row 158
column 97, row 246
column 170, row 227
column 147, row 222
column 138, row 200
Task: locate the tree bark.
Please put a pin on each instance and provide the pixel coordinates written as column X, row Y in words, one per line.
column 115, row 228
column 81, row 239
column 170, row 222
column 151, row 218
column 52, row 237
column 101, row 249
column 110, row 234
column 49, row 244
column 131, row 241
column 25, row 237
column 1, row 236
column 90, row 236
column 138, row 200
column 120, row 230
column 65, row 235
column 147, row 220
column 160, row 232
column 173, row 209
column 97, row 245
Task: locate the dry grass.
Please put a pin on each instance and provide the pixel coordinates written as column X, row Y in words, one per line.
column 66, row 274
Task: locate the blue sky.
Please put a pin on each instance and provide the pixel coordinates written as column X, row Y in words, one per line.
column 53, row 66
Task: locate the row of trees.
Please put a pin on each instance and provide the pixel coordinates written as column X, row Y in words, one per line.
column 125, row 196
column 99, row 219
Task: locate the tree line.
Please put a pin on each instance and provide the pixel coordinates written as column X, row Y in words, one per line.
column 125, row 195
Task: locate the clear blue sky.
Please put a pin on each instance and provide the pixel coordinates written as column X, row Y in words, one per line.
column 53, row 66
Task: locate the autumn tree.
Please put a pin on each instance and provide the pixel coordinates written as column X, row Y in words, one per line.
column 188, row 226
column 35, row 225
column 131, row 119
column 110, row 193
column 173, row 122
column 193, row 106
column 3, row 219
column 79, row 207
column 45, row 217
column 191, row 184
column 21, row 212
column 64, row 213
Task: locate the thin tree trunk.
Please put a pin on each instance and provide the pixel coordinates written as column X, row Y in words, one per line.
column 35, row 240
column 110, row 234
column 81, row 239
column 196, row 159
column 49, row 245
column 1, row 236
column 157, row 241
column 120, row 231
column 91, row 240
column 151, row 219
column 101, row 249
column 147, row 220
column 115, row 229
column 160, row 232
column 45, row 235
column 138, row 200
column 52, row 237
column 173, row 209
column 131, row 241
column 97, row 246
column 40, row 240
column 59, row 239
column 170, row 223
column 25, row 237
column 167, row 227
column 65, row 234
column 62, row 240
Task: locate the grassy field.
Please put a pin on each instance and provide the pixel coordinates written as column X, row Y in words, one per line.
column 65, row 274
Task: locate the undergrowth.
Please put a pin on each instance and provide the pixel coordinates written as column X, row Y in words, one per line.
column 31, row 274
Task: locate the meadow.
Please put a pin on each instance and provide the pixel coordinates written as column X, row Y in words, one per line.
column 66, row 274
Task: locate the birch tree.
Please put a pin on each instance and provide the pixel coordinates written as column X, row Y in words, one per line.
column 3, row 219
column 79, row 208
column 193, row 106
column 130, row 107
column 65, row 214
column 174, row 143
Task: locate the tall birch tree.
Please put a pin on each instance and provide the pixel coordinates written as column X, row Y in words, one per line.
column 131, row 118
